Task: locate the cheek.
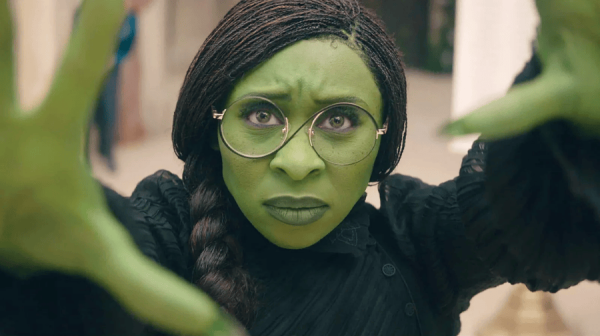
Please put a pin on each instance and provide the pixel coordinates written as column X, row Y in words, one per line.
column 236, row 177
column 350, row 180
column 354, row 178
column 241, row 174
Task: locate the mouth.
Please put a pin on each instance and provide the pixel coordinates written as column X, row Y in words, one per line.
column 296, row 211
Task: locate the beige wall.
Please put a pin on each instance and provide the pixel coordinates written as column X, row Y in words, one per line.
column 493, row 42
column 170, row 32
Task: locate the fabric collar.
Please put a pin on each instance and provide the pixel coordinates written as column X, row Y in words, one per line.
column 351, row 236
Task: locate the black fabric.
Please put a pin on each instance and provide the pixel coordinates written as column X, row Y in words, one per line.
column 539, row 222
column 55, row 304
column 522, row 210
column 533, row 233
column 351, row 236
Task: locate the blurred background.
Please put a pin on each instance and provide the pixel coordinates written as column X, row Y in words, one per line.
column 460, row 54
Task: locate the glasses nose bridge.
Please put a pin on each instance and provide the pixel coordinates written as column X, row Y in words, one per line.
column 309, row 131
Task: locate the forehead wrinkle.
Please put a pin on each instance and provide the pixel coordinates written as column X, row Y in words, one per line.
column 300, row 85
column 304, row 80
column 272, row 87
column 275, row 83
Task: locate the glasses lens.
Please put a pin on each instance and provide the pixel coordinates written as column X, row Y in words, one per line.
column 344, row 134
column 253, row 126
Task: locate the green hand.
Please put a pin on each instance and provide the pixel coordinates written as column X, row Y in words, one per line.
column 569, row 86
column 53, row 214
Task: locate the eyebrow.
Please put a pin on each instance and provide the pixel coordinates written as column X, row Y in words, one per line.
column 269, row 95
column 344, row 99
column 324, row 101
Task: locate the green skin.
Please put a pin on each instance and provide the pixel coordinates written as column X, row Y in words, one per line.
column 308, row 73
column 53, row 214
column 569, row 86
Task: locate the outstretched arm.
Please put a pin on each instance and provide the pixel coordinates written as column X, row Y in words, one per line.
column 526, row 205
column 539, row 161
column 522, row 210
column 569, row 51
column 53, row 215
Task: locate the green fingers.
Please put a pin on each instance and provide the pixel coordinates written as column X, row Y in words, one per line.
column 55, row 218
column 523, row 108
column 7, row 81
column 83, row 68
column 146, row 289
column 569, row 86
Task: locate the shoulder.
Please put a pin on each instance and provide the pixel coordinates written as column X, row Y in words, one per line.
column 164, row 188
column 403, row 195
column 415, row 211
column 160, row 203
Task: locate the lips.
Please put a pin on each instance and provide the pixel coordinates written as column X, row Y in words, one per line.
column 296, row 211
column 290, row 202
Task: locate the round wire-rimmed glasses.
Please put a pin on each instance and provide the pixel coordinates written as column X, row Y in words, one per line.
column 255, row 127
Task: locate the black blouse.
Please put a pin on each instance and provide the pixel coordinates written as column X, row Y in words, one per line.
column 522, row 210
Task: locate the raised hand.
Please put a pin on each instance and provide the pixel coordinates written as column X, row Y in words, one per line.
column 569, row 86
column 52, row 212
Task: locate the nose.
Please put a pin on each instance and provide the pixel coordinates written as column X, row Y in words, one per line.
column 297, row 158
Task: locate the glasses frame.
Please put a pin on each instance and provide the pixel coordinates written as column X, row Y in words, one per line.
column 219, row 117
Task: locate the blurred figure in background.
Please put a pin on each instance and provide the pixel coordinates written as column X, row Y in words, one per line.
column 107, row 115
column 130, row 126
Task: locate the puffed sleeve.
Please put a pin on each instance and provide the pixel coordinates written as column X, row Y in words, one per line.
column 161, row 204
column 53, row 303
column 522, row 210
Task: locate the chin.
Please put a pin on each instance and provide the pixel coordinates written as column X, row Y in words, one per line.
column 297, row 243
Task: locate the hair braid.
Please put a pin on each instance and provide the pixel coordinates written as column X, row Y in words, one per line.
column 218, row 267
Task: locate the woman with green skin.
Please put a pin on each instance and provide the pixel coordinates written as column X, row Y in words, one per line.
column 288, row 111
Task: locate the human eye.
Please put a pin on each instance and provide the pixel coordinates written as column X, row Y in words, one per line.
column 339, row 119
column 261, row 115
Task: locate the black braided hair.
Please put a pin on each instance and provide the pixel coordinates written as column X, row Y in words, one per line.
column 249, row 34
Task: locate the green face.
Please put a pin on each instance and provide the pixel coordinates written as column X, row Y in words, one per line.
column 302, row 79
